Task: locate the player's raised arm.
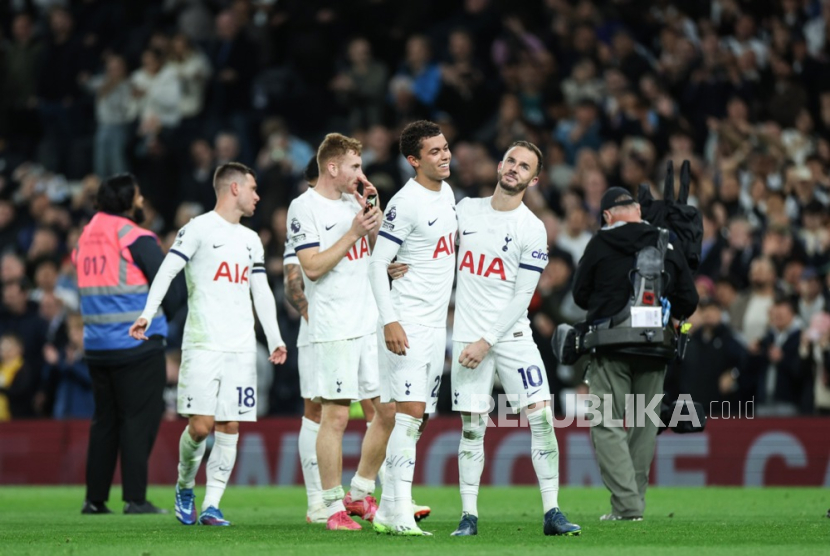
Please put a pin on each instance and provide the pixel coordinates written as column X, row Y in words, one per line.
column 316, row 263
column 370, row 192
column 266, row 308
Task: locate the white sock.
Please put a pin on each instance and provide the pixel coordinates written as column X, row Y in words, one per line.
column 386, row 507
column 382, row 470
column 190, row 457
column 308, row 461
column 471, row 460
column 361, row 487
column 400, row 457
column 333, row 499
column 544, row 451
column 219, row 467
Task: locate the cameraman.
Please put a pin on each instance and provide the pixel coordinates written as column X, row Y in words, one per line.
column 602, row 286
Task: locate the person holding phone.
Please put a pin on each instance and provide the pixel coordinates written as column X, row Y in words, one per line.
column 332, row 229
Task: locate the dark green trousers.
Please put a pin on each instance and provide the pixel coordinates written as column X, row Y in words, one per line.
column 624, row 455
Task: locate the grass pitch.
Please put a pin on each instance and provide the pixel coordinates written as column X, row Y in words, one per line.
column 678, row 521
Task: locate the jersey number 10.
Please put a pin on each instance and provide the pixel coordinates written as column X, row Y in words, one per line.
column 532, row 377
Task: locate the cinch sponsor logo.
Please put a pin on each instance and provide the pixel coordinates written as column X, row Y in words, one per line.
column 541, row 255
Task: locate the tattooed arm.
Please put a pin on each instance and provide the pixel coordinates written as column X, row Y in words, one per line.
column 294, row 289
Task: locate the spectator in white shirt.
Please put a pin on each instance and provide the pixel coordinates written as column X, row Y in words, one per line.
column 193, row 69
column 157, row 88
column 115, row 110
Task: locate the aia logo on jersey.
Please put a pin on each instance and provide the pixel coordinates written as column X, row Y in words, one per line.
column 231, row 275
column 358, row 252
column 494, row 268
column 445, row 245
column 295, row 225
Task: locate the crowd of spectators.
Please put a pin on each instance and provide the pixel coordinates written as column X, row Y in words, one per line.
column 610, row 90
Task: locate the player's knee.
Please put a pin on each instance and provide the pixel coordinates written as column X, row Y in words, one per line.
column 199, row 429
column 335, row 417
column 312, row 411
column 384, row 415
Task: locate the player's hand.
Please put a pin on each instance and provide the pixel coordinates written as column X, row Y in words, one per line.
column 368, row 189
column 365, row 222
column 138, row 329
column 397, row 270
column 472, row 355
column 396, row 340
column 279, row 355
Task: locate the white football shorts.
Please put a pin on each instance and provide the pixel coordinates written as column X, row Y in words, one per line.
column 218, row 383
column 305, row 364
column 346, row 369
column 416, row 376
column 520, row 370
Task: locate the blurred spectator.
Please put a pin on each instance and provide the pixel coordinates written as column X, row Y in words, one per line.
column 57, row 91
column 783, row 385
column 12, row 267
column 739, row 252
column 814, row 350
column 18, row 380
column 21, row 316
column 714, row 358
column 811, row 295
column 379, row 163
column 560, row 173
column 18, row 93
column 753, row 306
column 226, row 147
column 197, row 181
column 158, row 91
column 233, row 58
column 628, row 56
column 115, row 110
column 46, row 274
column 712, row 246
column 582, row 131
column 464, row 86
column 360, row 85
column 583, row 84
column 193, row 70
column 424, row 74
column 73, row 396
column 575, row 236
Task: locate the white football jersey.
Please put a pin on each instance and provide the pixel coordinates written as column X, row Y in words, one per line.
column 492, row 246
column 340, row 304
column 424, row 224
column 290, row 257
column 221, row 258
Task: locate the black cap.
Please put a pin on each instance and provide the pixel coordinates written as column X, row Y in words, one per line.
column 609, row 200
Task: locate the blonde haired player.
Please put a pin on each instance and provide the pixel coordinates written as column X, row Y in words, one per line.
column 332, row 230
column 502, row 252
column 224, row 265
